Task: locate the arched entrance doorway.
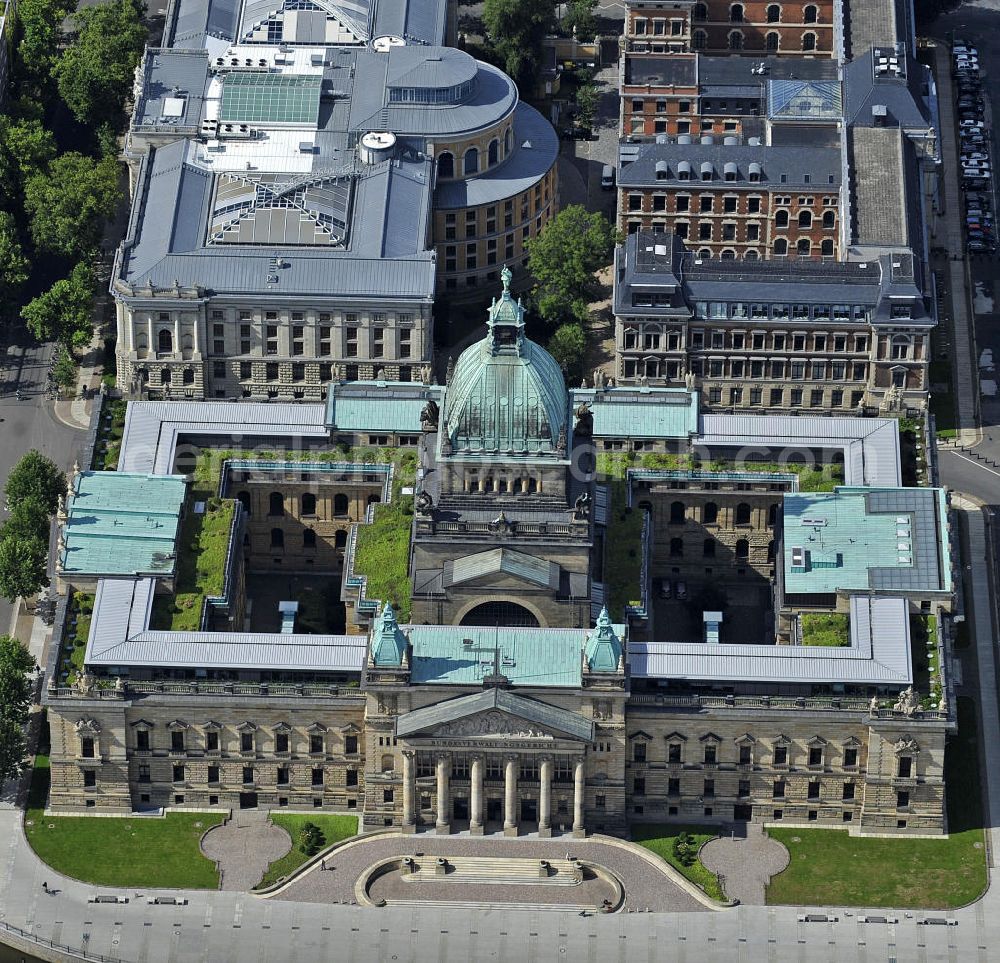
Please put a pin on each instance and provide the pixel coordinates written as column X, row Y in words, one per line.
column 500, row 613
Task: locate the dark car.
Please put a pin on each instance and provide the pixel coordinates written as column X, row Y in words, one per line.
column 577, row 133
column 979, row 246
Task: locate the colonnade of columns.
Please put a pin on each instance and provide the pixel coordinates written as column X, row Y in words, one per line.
column 511, row 798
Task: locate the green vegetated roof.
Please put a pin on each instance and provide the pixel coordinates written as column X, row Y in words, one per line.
column 859, row 538
column 826, row 628
column 123, row 523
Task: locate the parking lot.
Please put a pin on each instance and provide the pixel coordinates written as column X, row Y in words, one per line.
column 974, row 148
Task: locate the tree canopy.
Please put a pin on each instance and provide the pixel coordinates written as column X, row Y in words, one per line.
column 579, row 19
column 26, row 148
column 15, row 688
column 14, row 265
column 13, row 748
column 22, row 567
column 94, row 74
column 516, row 29
column 69, row 203
column 568, row 346
column 35, row 477
column 64, row 313
column 29, row 518
column 563, row 260
column 39, row 21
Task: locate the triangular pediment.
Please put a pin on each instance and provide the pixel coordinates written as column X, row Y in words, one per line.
column 502, row 562
column 494, row 715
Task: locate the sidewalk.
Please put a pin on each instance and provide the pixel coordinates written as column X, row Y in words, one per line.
column 75, row 412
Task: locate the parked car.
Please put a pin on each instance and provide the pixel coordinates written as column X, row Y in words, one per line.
column 607, row 177
column 972, row 125
column 665, row 589
column 980, row 246
column 681, row 590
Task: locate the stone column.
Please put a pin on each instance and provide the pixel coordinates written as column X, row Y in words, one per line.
column 545, row 799
column 578, row 792
column 476, row 813
column 409, row 792
column 510, row 797
column 443, row 796
column 151, row 347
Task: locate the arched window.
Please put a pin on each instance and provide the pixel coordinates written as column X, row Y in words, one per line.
column 506, row 142
column 805, row 219
column 699, row 12
column 708, row 549
column 781, row 218
column 340, row 504
column 771, row 41
column 808, row 41
column 165, row 376
column 676, row 547
column 494, row 154
column 809, row 14
column 742, row 550
column 773, row 13
column 829, row 219
column 751, row 255
column 803, row 247
column 704, row 253
column 699, row 40
column 188, row 376
column 470, row 164
column 677, row 513
column 308, row 504
column 340, row 539
column 710, row 513
column 165, row 341
column 780, row 246
column 826, row 248
column 308, row 538
column 275, row 504
column 446, row 165
column 742, row 514
column 736, row 40
column 244, row 499
column 736, row 13
column 277, row 538
column 728, row 254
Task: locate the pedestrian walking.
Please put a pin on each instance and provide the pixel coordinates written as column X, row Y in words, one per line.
column 322, row 864
column 45, row 886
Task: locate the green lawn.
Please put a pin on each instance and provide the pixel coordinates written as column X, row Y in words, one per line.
column 201, row 560
column 623, row 553
column 830, row 867
column 382, row 551
column 74, row 644
column 107, row 460
column 926, row 680
column 659, row 838
column 830, row 629
column 334, row 829
column 120, row 850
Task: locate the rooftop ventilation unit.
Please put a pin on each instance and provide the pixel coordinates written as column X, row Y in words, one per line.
column 707, row 139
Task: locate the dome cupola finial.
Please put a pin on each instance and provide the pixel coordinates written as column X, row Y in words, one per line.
column 506, row 319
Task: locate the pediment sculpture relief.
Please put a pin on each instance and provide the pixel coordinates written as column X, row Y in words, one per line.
column 492, row 724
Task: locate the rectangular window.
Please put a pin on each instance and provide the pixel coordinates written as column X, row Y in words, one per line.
column 781, row 755
column 177, row 741
column 904, row 768
column 281, row 742
column 178, row 773
column 248, row 775
column 816, row 756
column 639, row 786
column 673, row 787
column 711, row 753
column 639, row 752
column 779, row 789
column 350, row 745
column 282, row 775
column 246, row 742
column 317, row 777
column 708, row 790
column 674, row 752
column 315, row 743
column 142, row 740
column 848, row 791
column 144, row 774
column 813, row 791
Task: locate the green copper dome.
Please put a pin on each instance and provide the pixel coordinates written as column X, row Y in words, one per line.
column 507, row 393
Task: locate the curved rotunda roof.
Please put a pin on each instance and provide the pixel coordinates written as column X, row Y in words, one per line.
column 507, row 393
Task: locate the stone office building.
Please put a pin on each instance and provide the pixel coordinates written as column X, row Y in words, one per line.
column 532, row 714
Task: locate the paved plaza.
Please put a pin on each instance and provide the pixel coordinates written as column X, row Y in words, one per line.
column 746, row 860
column 649, row 883
column 243, row 847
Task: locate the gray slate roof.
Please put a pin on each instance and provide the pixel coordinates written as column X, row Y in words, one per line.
column 531, row 710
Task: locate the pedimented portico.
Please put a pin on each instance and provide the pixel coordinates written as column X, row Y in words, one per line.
column 477, row 741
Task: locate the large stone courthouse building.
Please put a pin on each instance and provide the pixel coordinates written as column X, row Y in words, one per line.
column 613, row 608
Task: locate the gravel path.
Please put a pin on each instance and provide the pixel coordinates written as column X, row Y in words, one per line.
column 244, row 847
column 644, row 885
column 747, row 862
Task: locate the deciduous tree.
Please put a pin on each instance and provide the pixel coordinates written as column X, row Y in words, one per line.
column 563, row 260
column 35, row 476
column 568, row 346
column 13, row 749
column 16, row 663
column 29, row 518
column 22, row 567
column 64, row 313
column 39, row 21
column 95, row 73
column 516, row 29
column 14, row 265
column 69, row 203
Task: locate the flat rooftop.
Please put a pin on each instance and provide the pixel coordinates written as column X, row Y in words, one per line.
column 855, row 539
column 122, row 523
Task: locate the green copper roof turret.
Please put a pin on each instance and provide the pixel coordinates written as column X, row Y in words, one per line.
column 388, row 641
column 604, row 649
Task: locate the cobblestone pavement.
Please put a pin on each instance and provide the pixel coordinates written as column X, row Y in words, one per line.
column 244, row 847
column 746, row 862
column 645, row 887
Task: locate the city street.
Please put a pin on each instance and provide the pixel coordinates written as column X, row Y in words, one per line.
column 30, row 422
